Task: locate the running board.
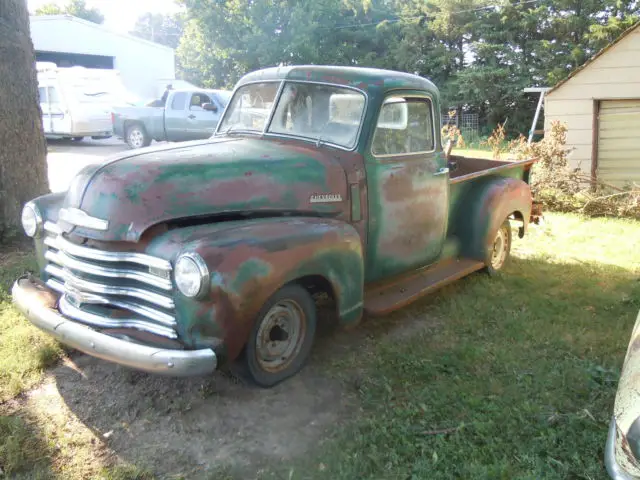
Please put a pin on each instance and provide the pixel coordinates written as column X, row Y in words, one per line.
column 381, row 299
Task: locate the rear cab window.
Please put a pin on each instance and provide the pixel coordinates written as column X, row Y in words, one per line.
column 178, row 101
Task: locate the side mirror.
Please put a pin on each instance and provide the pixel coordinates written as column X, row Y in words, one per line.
column 210, row 107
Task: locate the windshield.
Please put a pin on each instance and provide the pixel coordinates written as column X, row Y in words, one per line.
column 325, row 113
column 250, row 107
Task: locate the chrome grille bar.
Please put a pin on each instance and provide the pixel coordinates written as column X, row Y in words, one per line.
column 98, row 321
column 143, row 310
column 59, row 243
column 94, row 287
column 64, row 260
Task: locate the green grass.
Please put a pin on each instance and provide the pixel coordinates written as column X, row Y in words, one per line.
column 512, row 377
column 24, row 351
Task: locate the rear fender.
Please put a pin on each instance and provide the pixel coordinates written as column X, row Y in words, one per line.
column 487, row 205
column 250, row 260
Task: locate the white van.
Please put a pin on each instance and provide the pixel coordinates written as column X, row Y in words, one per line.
column 77, row 102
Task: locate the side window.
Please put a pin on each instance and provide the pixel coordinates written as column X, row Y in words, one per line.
column 197, row 99
column 405, row 126
column 178, row 101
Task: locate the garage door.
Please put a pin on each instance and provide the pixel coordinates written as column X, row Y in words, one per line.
column 619, row 141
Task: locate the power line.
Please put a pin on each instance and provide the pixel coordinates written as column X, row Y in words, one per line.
column 425, row 16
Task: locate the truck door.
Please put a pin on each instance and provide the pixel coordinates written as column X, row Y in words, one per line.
column 202, row 123
column 175, row 117
column 408, row 187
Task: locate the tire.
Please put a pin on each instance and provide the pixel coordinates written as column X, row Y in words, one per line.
column 136, row 136
column 498, row 249
column 77, row 139
column 281, row 338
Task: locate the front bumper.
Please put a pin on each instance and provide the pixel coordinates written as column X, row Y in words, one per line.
column 37, row 302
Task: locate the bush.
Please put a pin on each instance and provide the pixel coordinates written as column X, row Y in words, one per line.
column 563, row 189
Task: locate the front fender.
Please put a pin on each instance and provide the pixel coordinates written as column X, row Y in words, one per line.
column 486, row 205
column 250, row 260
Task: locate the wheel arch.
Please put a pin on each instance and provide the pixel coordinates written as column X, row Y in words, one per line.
column 490, row 201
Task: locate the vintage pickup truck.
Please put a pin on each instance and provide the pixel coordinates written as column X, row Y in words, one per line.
column 319, row 180
column 186, row 115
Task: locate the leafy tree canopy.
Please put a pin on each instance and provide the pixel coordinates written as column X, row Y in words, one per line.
column 77, row 8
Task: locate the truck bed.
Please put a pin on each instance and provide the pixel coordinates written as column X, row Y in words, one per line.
column 467, row 168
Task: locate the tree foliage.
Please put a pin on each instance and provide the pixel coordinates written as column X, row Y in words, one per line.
column 77, row 8
column 159, row 28
column 480, row 53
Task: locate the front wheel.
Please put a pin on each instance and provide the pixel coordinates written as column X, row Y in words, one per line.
column 137, row 136
column 498, row 248
column 281, row 339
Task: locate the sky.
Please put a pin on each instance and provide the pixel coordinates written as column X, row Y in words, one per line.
column 119, row 15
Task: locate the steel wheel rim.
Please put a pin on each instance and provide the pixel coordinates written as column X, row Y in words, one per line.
column 280, row 336
column 499, row 249
column 135, row 137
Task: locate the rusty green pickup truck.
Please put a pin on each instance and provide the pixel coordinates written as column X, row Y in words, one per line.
column 324, row 180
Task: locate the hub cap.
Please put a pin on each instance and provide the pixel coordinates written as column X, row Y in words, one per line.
column 136, row 138
column 500, row 247
column 280, row 335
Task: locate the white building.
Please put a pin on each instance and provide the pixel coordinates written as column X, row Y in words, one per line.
column 600, row 104
column 145, row 67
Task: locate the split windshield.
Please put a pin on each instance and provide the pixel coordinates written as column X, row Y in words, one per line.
column 318, row 112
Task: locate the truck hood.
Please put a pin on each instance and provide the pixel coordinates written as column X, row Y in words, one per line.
column 222, row 176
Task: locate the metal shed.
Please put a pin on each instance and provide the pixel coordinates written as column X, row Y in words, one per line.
column 71, row 41
column 600, row 104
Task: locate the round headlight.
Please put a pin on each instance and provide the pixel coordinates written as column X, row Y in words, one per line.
column 191, row 275
column 31, row 220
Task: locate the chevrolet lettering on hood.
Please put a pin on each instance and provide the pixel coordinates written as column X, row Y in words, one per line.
column 325, row 198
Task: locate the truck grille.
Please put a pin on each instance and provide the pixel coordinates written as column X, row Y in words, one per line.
column 107, row 289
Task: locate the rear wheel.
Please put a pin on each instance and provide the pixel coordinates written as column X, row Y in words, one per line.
column 281, row 339
column 137, row 136
column 498, row 248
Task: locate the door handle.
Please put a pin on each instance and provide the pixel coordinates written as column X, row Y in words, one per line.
column 442, row 171
column 192, row 116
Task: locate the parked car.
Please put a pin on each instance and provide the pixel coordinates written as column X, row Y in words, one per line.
column 186, row 115
column 76, row 102
column 622, row 450
column 331, row 180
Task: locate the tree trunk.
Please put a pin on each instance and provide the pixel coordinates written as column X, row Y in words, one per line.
column 23, row 168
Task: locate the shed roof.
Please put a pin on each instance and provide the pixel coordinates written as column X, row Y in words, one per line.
column 594, row 57
column 87, row 23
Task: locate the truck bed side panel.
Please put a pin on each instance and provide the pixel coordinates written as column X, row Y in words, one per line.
column 481, row 200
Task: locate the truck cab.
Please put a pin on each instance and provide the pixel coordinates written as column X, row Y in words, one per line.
column 183, row 258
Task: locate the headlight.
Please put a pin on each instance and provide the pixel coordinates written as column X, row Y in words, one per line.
column 191, row 275
column 31, row 220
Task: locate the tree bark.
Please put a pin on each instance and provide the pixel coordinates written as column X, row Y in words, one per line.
column 23, row 167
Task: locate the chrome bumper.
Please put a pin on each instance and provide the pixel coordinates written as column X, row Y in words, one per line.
column 613, row 469
column 37, row 303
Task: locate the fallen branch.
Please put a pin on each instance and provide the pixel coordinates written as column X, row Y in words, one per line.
column 444, row 431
